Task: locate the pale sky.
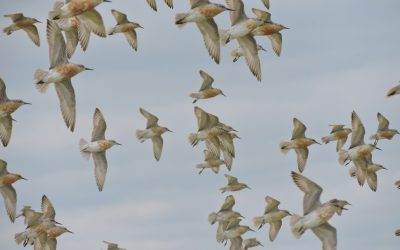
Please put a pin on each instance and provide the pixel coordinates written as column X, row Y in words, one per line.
column 338, row 56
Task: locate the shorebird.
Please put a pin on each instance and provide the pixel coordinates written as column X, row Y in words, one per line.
column 241, row 29
column 86, row 13
column 393, row 91
column 210, row 161
column 233, row 184
column 249, row 243
column 372, row 178
column 272, row 215
column 7, row 107
column 153, row 4
column 153, row 131
column 206, row 90
column 316, row 215
column 225, row 213
column 359, row 152
column 60, row 73
column 233, row 232
column 202, row 13
column 7, row 190
column 269, row 29
column 74, row 30
column 383, row 132
column 112, row 246
column 238, row 53
column 25, row 23
column 126, row 27
column 397, row 184
column 299, row 142
column 97, row 147
column 31, row 217
column 339, row 133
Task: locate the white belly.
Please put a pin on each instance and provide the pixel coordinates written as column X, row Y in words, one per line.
column 93, row 147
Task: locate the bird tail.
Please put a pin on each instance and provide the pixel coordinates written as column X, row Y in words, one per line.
column 54, row 14
column 325, row 139
column 284, row 146
column 212, row 218
column 343, row 156
column 38, row 78
column 8, row 30
column 224, row 36
column 20, row 237
column 140, row 134
column 258, row 221
column 179, row 19
column 82, row 146
column 296, row 227
column 193, row 140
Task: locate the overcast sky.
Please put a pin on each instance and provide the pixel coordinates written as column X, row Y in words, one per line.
column 338, row 56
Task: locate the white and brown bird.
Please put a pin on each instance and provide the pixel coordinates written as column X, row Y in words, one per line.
column 20, row 22
column 249, row 243
column 210, row 161
column 272, row 215
column 338, row 133
column 7, row 107
column 7, row 190
column 112, row 246
column 206, row 90
column 393, row 91
column 233, row 184
column 60, row 73
column 153, row 4
column 383, row 132
column 371, row 176
column 125, row 27
column 316, row 214
column 153, row 131
column 85, row 11
column 299, row 142
column 202, row 13
column 97, row 147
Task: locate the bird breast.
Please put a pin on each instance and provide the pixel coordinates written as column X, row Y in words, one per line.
column 76, row 7
column 342, row 134
column 302, row 142
column 24, row 23
column 7, row 180
column 209, row 10
column 208, row 93
column 7, row 108
column 387, row 134
column 66, row 70
column 266, row 29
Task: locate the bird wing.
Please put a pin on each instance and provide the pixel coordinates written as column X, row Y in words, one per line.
column 262, row 15
column 327, row 234
column 51, row 244
column 357, row 136
column 236, row 243
column 266, row 3
column 157, row 146
column 207, row 80
column 299, row 129
column 58, row 5
column 197, row 3
column 93, row 21
column 205, row 120
column 228, row 159
column 100, row 169
column 10, row 201
column 212, row 145
column 336, row 128
column 231, row 179
column 15, row 17
column 3, row 94
column 99, row 126
column 361, row 165
column 132, row 39
column 169, row 3
column 83, row 35
column 119, row 17
column 393, row 91
column 276, row 42
column 340, row 143
column 228, row 204
column 383, row 122
column 312, row 192
column 5, row 129
column 72, row 42
column 209, row 31
column 57, row 47
column 227, row 144
column 66, row 95
column 33, row 34
column 238, row 14
column 152, row 4
column 250, row 52
column 274, row 229
column 272, row 204
column 3, row 167
column 372, row 180
column 47, row 208
column 302, row 155
column 151, row 119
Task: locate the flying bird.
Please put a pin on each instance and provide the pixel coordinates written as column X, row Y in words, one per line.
column 206, row 90
column 25, row 23
column 299, row 142
column 371, row 176
column 383, row 132
column 112, row 246
column 238, row 52
column 153, row 4
column 97, row 147
column 126, row 27
column 233, row 184
column 210, row 161
column 339, row 133
column 153, row 131
column 7, row 107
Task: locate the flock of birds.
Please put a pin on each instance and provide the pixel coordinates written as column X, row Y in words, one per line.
column 77, row 19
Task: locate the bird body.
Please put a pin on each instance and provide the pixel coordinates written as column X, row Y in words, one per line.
column 74, row 8
column 372, row 178
column 383, row 132
column 126, row 27
column 206, row 90
column 339, row 133
column 233, row 184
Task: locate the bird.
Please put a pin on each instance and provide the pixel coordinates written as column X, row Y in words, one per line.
column 202, row 13
column 153, row 131
column 97, row 147
column 272, row 215
column 7, row 190
column 299, row 142
column 75, row 31
column 52, row 234
column 383, row 132
column 241, row 29
column 393, row 91
column 397, row 184
column 25, row 23
column 112, row 246
column 206, row 90
column 233, row 184
column 249, row 243
column 269, row 29
column 316, row 214
column 233, row 232
column 153, row 4
column 359, row 152
column 372, row 178
column 339, row 133
column 238, row 52
column 225, row 213
column 31, row 217
column 126, row 27
column 60, row 73
column 210, row 161
column 85, row 11
column 7, row 107
column 397, row 232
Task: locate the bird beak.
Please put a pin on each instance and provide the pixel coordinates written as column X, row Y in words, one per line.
column 384, row 168
column 286, row 28
column 118, row 143
column 229, row 9
column 248, row 187
column 107, row 1
column 263, row 49
column 23, row 178
column 378, row 148
column 251, row 230
column 88, row 68
column 69, row 232
column 27, row 103
column 261, row 244
column 169, row 130
column 140, row 26
column 223, row 94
